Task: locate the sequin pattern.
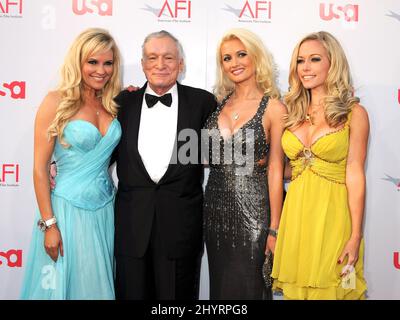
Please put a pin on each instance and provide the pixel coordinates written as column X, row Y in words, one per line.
column 236, row 205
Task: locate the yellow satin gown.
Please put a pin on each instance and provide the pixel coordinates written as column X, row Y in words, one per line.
column 316, row 222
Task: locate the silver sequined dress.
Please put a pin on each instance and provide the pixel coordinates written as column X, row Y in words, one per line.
column 236, row 208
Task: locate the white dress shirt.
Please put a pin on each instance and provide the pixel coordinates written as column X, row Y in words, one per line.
column 157, row 134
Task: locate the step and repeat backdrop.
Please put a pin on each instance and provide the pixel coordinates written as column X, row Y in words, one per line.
column 35, row 36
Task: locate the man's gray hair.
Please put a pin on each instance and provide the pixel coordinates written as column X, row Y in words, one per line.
column 164, row 34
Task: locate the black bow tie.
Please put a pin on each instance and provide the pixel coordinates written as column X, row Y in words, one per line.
column 151, row 100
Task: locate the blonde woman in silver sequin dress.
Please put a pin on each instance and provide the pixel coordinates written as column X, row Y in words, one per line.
column 243, row 196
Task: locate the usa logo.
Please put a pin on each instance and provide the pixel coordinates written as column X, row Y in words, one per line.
column 13, row 89
column 11, row 258
column 100, row 7
column 348, row 13
column 396, row 260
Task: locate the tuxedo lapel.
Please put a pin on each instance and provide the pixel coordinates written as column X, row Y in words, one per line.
column 133, row 132
column 183, row 110
column 183, row 123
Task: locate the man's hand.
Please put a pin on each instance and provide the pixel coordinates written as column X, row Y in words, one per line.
column 131, row 88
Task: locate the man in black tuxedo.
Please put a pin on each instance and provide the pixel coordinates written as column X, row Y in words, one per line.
column 158, row 206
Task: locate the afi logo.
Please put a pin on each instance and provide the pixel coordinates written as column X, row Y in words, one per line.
column 9, row 173
column 396, row 260
column 260, row 10
column 257, row 8
column 177, row 7
column 393, row 15
column 349, row 11
column 11, row 6
column 102, row 7
column 15, row 88
column 11, row 258
column 393, row 180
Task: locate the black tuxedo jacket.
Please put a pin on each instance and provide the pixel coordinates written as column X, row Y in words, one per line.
column 177, row 199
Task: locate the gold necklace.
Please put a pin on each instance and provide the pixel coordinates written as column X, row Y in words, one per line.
column 235, row 116
column 310, row 116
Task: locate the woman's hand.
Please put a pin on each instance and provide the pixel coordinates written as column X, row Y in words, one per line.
column 271, row 242
column 350, row 251
column 53, row 242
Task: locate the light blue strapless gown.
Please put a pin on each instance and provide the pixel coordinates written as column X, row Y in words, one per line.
column 83, row 203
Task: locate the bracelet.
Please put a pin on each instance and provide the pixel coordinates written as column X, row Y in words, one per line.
column 273, row 232
column 46, row 224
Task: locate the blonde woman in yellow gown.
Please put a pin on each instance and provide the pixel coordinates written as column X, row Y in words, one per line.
column 319, row 248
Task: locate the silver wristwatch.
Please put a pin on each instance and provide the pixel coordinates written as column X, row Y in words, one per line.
column 45, row 224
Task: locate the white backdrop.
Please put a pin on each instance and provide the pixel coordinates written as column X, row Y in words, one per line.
column 35, row 35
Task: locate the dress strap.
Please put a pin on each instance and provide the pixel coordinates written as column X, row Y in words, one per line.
column 224, row 100
column 262, row 107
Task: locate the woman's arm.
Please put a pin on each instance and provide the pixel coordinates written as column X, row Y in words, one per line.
column 355, row 180
column 43, row 150
column 275, row 113
column 288, row 170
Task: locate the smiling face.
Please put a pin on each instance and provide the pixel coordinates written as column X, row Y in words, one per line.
column 161, row 63
column 236, row 62
column 97, row 69
column 312, row 64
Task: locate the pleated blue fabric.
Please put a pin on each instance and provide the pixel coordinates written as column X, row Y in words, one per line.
column 83, row 203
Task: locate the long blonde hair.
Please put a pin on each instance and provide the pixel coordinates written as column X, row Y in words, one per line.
column 266, row 73
column 340, row 94
column 71, row 86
